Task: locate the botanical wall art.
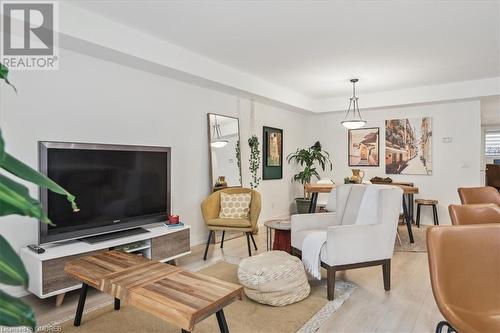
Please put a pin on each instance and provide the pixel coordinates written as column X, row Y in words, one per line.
column 273, row 153
column 408, row 146
column 364, row 147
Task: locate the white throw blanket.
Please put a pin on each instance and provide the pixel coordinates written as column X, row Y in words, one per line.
column 311, row 252
column 315, row 241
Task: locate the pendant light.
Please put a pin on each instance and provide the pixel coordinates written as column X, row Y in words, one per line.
column 217, row 141
column 355, row 121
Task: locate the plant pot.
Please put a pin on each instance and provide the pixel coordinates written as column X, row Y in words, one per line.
column 303, row 205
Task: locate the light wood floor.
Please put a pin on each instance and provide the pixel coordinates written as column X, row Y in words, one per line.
column 408, row 307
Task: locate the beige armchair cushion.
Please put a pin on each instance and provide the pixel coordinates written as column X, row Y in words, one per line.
column 233, row 223
column 234, row 206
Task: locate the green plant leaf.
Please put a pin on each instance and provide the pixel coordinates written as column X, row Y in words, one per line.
column 12, row 270
column 15, row 199
column 14, row 312
column 2, row 147
column 21, row 170
column 4, row 73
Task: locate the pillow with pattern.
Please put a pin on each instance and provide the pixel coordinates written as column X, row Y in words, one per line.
column 235, row 206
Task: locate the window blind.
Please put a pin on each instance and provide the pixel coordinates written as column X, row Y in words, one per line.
column 492, row 143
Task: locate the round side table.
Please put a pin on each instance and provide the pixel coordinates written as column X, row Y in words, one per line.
column 282, row 235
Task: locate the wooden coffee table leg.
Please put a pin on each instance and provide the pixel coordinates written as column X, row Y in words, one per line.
column 117, row 304
column 221, row 319
column 81, row 305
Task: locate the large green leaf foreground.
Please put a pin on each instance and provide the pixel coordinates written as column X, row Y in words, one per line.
column 13, row 312
column 12, row 270
column 4, row 73
column 15, row 198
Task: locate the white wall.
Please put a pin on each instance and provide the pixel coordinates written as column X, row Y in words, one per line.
column 91, row 100
column 455, row 164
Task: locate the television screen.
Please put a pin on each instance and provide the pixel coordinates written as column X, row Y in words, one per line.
column 116, row 187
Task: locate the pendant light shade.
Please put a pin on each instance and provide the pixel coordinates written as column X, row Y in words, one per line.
column 217, row 141
column 353, row 119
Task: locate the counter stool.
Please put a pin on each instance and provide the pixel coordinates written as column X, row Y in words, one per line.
column 427, row 202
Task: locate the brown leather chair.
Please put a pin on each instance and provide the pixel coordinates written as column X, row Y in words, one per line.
column 464, row 264
column 493, row 175
column 474, row 214
column 478, row 195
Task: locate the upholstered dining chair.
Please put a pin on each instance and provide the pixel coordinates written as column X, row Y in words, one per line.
column 474, row 214
column 479, row 195
column 464, row 265
column 353, row 239
column 211, row 209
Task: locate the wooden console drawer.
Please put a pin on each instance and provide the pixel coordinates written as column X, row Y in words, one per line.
column 53, row 275
column 170, row 245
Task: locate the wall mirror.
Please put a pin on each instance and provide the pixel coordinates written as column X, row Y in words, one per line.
column 224, row 145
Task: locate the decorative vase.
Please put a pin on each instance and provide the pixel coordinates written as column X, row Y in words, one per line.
column 357, row 176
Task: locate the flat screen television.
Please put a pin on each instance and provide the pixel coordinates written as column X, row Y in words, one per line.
column 117, row 187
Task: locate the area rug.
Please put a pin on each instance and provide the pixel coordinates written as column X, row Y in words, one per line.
column 420, row 244
column 246, row 316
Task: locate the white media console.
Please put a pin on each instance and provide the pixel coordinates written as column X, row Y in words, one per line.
column 46, row 270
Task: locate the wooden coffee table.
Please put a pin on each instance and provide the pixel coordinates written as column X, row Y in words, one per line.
column 171, row 293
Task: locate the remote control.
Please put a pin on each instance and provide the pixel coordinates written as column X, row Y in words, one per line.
column 36, row 248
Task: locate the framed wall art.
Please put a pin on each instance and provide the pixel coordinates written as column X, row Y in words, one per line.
column 408, row 146
column 364, row 147
column 272, row 151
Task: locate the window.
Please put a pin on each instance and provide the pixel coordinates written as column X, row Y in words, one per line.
column 492, row 143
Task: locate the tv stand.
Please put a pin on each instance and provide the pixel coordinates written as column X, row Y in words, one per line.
column 46, row 270
column 114, row 235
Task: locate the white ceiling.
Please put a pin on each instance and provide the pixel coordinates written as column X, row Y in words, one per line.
column 315, row 47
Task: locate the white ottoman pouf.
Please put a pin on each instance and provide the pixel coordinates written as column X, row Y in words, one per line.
column 275, row 278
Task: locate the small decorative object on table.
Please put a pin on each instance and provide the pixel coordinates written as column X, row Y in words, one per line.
column 173, row 219
column 356, row 178
column 174, row 225
column 220, row 183
column 380, row 180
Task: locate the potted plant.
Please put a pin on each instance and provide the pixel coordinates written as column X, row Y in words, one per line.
column 307, row 159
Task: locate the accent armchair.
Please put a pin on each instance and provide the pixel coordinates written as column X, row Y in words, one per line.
column 464, row 266
column 354, row 240
column 210, row 209
column 479, row 195
column 474, row 214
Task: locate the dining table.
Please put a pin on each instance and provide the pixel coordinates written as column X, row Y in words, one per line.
column 408, row 191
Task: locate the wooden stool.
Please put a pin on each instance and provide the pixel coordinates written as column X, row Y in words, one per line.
column 427, row 202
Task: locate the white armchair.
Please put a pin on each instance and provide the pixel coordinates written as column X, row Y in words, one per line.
column 354, row 239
